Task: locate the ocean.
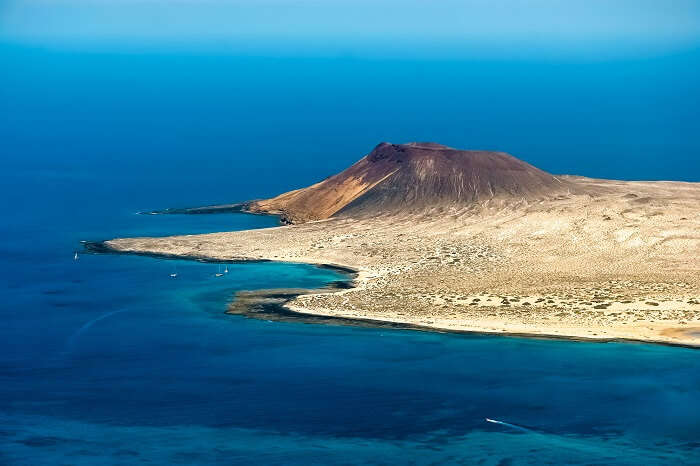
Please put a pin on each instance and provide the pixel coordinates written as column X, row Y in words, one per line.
column 108, row 360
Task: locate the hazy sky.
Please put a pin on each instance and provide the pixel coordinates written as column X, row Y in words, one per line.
column 361, row 27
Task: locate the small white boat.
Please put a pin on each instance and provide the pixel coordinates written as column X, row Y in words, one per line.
column 173, row 275
column 219, row 274
column 226, row 269
column 75, row 257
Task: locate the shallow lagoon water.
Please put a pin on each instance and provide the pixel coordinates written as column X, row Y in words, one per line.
column 108, row 360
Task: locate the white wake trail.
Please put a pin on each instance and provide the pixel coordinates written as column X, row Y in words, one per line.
column 512, row 426
column 70, row 343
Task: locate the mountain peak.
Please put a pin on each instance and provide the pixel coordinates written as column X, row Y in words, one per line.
column 399, row 152
column 401, row 178
column 427, row 145
column 416, row 145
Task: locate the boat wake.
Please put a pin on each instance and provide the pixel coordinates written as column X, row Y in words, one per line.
column 507, row 424
column 70, row 343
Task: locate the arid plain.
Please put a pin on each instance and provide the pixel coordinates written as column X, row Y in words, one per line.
column 457, row 248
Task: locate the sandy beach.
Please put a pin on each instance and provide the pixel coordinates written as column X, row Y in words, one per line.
column 619, row 265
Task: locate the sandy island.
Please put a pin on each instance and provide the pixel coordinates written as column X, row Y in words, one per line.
column 621, row 266
column 480, row 241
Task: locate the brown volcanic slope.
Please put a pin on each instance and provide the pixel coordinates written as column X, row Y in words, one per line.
column 415, row 176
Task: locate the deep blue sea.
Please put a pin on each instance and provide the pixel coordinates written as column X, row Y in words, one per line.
column 108, row 360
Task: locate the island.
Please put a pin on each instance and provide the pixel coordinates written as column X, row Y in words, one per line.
column 479, row 241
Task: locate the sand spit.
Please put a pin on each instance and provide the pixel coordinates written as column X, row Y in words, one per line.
column 623, row 264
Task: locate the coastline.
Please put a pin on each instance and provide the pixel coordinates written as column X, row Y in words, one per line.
column 379, row 323
column 274, row 305
column 237, row 208
column 101, row 247
column 621, row 265
column 278, row 304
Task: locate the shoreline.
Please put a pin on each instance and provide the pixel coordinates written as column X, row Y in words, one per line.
column 379, row 323
column 274, row 304
column 238, row 208
column 100, row 247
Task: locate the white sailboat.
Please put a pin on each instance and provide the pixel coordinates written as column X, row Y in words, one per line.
column 219, row 274
column 75, row 257
column 226, row 269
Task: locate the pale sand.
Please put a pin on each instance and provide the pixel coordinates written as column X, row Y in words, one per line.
column 623, row 265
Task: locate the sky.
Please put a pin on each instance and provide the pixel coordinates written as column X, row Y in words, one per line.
column 381, row 28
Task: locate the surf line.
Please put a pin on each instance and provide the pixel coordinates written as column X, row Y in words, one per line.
column 512, row 426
